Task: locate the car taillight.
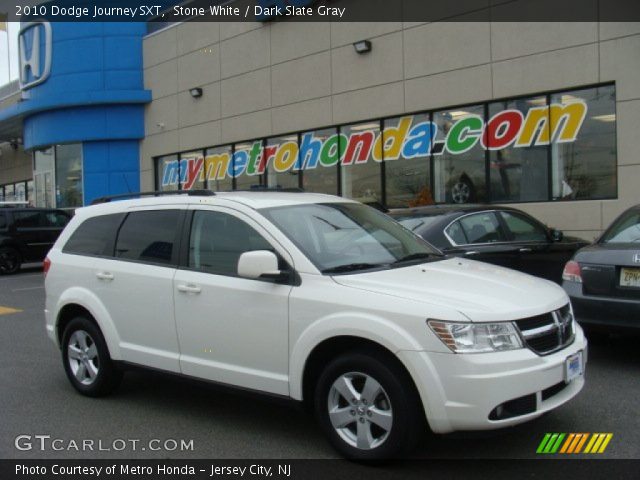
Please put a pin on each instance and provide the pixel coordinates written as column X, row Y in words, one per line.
column 46, row 265
column 572, row 272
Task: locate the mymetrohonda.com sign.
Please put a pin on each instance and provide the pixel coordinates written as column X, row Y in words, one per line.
column 541, row 125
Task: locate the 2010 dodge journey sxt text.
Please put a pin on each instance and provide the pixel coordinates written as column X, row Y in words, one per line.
column 315, row 298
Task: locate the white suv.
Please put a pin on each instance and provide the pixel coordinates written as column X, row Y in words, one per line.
column 314, row 298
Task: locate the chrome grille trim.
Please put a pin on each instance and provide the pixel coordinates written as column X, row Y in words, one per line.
column 556, row 333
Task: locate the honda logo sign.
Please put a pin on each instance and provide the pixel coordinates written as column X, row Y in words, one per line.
column 34, row 46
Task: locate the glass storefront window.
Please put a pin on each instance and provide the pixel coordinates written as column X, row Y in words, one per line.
column 43, row 175
column 584, row 168
column 68, row 175
column 9, row 193
column 281, row 156
column 459, row 176
column 247, row 163
column 30, row 192
column 168, row 173
column 519, row 172
column 217, row 164
column 320, row 172
column 360, row 169
column 407, row 171
column 21, row 192
column 542, row 147
column 192, row 170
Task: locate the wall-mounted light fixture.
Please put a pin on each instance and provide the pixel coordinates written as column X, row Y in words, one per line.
column 363, row 46
column 196, row 92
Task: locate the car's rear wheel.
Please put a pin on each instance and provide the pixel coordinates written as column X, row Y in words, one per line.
column 368, row 408
column 86, row 359
column 10, row 260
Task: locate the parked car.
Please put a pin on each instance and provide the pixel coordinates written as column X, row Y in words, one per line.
column 313, row 298
column 27, row 234
column 503, row 236
column 603, row 279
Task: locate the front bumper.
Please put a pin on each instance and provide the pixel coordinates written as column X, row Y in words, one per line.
column 603, row 311
column 462, row 391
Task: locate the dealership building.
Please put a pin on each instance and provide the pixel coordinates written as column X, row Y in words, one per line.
column 541, row 116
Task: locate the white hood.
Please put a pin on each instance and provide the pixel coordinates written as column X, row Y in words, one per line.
column 480, row 291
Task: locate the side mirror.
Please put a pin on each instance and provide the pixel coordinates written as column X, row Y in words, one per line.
column 259, row 264
column 556, row 235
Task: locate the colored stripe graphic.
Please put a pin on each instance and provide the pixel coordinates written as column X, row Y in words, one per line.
column 573, row 443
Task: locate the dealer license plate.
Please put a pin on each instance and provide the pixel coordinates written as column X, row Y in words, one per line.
column 630, row 277
column 573, row 367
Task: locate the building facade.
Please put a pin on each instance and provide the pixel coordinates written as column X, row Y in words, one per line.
column 542, row 116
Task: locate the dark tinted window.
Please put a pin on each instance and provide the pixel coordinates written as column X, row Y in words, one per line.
column 218, row 240
column 55, row 219
column 94, row 236
column 482, row 228
column 3, row 221
column 28, row 219
column 456, row 234
column 524, row 229
column 148, row 236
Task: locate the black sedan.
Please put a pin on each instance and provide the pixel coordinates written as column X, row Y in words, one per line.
column 499, row 235
column 603, row 279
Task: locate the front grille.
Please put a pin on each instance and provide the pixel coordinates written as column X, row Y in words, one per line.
column 545, row 334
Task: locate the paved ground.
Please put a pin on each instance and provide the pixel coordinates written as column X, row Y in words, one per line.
column 37, row 399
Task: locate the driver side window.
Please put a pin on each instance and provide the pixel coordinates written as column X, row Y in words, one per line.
column 218, row 239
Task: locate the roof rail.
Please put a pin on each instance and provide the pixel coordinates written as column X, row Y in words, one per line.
column 273, row 189
column 123, row 196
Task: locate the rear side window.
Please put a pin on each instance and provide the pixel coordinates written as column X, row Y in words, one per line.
column 482, row 228
column 28, row 219
column 94, row 236
column 148, row 236
column 55, row 219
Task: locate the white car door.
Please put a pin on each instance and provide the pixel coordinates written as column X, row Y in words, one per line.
column 230, row 329
column 137, row 286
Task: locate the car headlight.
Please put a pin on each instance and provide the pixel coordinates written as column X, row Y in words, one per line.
column 476, row 337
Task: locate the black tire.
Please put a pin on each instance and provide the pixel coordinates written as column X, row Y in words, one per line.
column 10, row 260
column 463, row 191
column 408, row 421
column 106, row 376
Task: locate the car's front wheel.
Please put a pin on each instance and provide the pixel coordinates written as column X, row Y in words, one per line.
column 86, row 359
column 367, row 407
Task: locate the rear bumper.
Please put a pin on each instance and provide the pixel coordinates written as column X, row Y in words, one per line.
column 462, row 392
column 603, row 311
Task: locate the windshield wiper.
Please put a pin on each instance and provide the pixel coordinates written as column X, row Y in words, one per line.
column 415, row 256
column 350, row 267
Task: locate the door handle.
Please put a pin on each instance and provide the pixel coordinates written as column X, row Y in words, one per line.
column 472, row 252
column 189, row 288
column 525, row 250
column 104, row 276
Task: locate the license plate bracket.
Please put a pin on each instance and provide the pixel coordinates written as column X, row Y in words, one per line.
column 573, row 367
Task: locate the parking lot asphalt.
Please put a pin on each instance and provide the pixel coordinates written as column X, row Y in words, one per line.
column 37, row 399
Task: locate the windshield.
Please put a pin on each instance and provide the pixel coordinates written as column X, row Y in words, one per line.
column 625, row 230
column 344, row 237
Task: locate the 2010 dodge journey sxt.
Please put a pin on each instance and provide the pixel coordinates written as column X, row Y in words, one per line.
column 315, row 298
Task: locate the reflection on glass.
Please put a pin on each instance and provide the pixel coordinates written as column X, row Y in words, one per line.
column 317, row 177
column 360, row 170
column 43, row 177
column 69, row 175
column 281, row 159
column 459, row 177
column 168, row 173
column 407, row 180
column 246, row 158
column 192, row 170
column 520, row 173
column 9, row 193
column 217, row 164
column 20, row 192
column 586, row 168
